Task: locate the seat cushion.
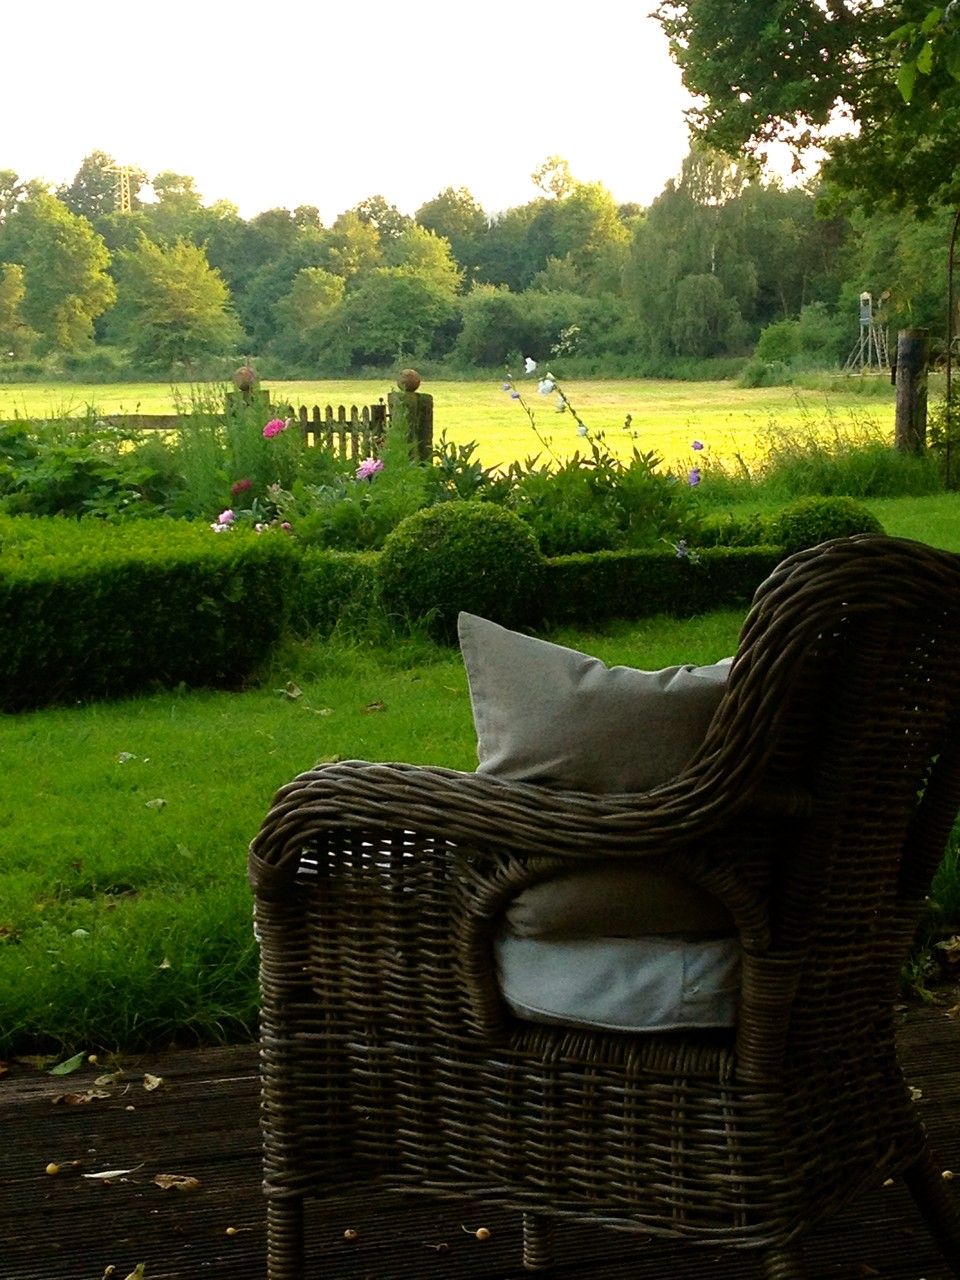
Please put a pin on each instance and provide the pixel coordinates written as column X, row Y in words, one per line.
column 614, row 900
column 548, row 714
column 622, row 984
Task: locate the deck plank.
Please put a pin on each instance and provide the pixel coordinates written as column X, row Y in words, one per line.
column 202, row 1123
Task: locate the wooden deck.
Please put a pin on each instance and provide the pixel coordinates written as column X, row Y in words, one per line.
column 201, row 1123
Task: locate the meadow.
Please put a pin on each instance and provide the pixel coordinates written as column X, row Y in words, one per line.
column 665, row 417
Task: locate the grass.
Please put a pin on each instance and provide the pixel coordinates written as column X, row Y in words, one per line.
column 126, row 922
column 666, row 416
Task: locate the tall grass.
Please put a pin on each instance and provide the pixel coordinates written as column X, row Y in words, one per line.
column 822, row 455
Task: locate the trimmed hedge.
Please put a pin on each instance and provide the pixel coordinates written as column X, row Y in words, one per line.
column 98, row 611
column 95, row 611
column 636, row 584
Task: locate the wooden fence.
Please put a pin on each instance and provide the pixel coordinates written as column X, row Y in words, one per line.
column 351, row 434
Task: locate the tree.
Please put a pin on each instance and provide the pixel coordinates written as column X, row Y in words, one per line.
column 396, row 315
column 93, row 191
column 553, row 177
column 460, row 219
column 302, row 317
column 422, row 253
column 791, row 71
column 353, row 246
column 16, row 338
column 385, row 218
column 64, row 261
column 173, row 307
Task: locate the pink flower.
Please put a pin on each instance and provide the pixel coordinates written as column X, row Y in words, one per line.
column 368, row 468
column 226, row 517
column 241, row 486
column 273, row 428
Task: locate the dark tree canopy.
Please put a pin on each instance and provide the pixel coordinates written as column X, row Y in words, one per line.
column 792, row 70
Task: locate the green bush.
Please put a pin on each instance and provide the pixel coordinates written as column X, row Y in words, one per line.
column 814, row 520
column 727, row 529
column 644, row 583
column 90, row 610
column 330, row 588
column 461, row 555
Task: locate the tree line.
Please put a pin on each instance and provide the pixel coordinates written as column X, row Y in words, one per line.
column 721, row 261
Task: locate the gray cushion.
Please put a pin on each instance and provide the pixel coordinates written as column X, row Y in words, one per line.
column 623, row 984
column 548, row 714
column 614, row 900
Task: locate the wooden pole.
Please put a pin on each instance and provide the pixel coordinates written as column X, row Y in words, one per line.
column 910, row 433
column 417, row 408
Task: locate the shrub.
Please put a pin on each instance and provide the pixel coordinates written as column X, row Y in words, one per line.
column 93, row 610
column 640, row 584
column 461, row 555
column 814, row 520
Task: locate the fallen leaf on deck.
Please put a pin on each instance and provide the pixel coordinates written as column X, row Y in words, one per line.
column 113, row 1077
column 139, row 1272
column 111, row 1173
column 152, row 1082
column 176, row 1182
column 75, row 1099
column 71, row 1064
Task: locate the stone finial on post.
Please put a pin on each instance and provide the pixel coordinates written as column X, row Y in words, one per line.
column 416, row 409
column 910, row 432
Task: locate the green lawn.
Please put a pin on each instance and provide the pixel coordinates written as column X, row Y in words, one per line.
column 666, row 416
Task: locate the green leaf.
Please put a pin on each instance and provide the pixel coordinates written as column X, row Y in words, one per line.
column 931, row 20
column 906, row 77
column 71, row 1064
column 925, row 59
column 951, row 55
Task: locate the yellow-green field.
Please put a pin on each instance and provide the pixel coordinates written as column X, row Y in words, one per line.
column 666, row 416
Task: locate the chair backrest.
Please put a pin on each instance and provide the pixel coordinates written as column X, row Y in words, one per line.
column 844, row 702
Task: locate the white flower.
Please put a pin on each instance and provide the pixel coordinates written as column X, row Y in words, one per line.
column 561, row 403
column 581, row 430
column 530, row 365
column 545, row 387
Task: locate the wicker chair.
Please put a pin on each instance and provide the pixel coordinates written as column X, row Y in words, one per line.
column 817, row 810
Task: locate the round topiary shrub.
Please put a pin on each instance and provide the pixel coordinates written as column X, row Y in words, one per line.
column 814, row 520
column 461, row 555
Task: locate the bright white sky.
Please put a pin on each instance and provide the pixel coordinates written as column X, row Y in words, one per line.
column 289, row 102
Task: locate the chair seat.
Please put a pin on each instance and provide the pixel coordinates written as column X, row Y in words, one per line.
column 622, row 984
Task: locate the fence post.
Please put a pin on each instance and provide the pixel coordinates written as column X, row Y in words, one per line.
column 910, row 432
column 416, row 409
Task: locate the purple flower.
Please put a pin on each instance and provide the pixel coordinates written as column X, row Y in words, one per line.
column 507, row 387
column 514, row 395
column 273, row 428
column 368, row 468
column 694, row 477
column 697, row 445
column 682, row 549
